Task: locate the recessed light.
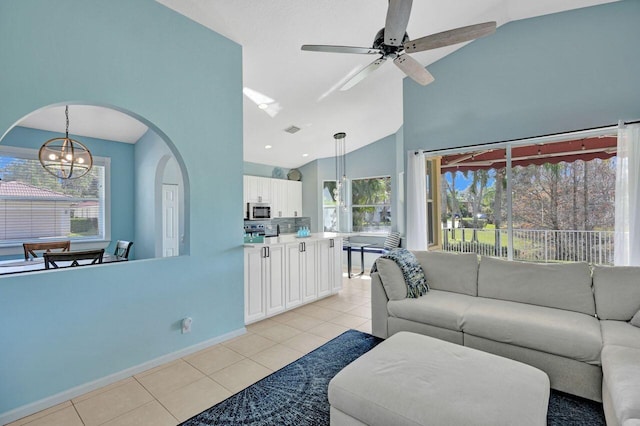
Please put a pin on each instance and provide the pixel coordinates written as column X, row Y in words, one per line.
column 268, row 147
column 263, row 106
column 305, row 155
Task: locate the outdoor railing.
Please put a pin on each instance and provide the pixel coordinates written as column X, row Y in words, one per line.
column 540, row 245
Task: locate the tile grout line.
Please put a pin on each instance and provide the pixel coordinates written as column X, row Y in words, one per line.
column 77, row 412
column 155, row 399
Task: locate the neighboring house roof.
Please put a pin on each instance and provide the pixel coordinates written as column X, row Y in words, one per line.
column 16, row 189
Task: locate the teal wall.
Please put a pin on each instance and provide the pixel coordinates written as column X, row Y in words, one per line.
column 555, row 73
column 263, row 170
column 65, row 328
column 121, row 155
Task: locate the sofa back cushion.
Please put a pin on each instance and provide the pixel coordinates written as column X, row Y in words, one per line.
column 617, row 291
column 450, row 271
column 563, row 286
column 391, row 278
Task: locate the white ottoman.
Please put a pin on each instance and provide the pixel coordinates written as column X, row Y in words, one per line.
column 411, row 379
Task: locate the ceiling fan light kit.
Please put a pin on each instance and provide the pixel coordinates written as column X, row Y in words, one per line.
column 392, row 42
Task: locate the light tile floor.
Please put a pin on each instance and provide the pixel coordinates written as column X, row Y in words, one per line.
column 176, row 391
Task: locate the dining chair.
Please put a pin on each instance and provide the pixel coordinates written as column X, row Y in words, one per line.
column 54, row 260
column 122, row 248
column 30, row 249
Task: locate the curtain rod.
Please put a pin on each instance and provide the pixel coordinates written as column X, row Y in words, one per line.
column 529, row 139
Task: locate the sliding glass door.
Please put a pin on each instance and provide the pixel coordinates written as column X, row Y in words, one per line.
column 545, row 200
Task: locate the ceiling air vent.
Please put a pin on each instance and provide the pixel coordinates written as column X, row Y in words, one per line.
column 292, row 129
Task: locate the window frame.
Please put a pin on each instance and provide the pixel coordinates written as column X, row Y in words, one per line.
column 84, row 243
column 352, row 205
column 329, row 206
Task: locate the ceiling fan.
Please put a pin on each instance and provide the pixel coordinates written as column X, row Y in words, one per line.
column 392, row 42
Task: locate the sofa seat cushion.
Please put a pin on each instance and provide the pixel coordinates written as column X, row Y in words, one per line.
column 621, row 375
column 620, row 333
column 555, row 331
column 437, row 308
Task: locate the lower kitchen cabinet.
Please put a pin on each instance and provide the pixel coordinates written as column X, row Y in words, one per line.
column 264, row 282
column 279, row 277
column 329, row 266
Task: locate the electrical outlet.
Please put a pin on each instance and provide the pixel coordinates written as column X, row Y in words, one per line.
column 186, row 325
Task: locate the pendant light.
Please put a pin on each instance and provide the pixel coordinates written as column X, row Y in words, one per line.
column 340, row 193
column 65, row 158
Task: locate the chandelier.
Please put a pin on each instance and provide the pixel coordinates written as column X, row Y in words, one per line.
column 341, row 170
column 65, row 158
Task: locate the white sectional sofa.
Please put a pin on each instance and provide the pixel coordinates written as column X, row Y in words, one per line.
column 565, row 319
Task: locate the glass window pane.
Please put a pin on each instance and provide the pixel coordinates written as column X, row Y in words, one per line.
column 371, row 204
column 35, row 204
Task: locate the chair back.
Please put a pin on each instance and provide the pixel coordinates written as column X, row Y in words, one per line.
column 30, row 249
column 392, row 241
column 122, row 248
column 54, row 260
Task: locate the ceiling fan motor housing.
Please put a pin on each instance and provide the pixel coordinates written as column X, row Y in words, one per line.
column 393, row 51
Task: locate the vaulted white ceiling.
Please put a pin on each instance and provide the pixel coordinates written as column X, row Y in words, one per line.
column 302, row 85
column 300, row 88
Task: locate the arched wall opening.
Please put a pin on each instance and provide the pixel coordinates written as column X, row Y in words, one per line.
column 137, row 158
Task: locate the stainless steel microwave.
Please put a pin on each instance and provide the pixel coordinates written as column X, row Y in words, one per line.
column 258, row 211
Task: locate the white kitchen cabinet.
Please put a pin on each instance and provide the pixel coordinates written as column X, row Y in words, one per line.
column 279, row 201
column 293, row 294
column 289, row 272
column 329, row 267
column 286, row 198
column 256, row 189
column 310, row 275
column 264, row 282
column 302, row 274
column 294, row 198
column 254, row 285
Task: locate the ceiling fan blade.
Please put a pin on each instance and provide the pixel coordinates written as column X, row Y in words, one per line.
column 413, row 69
column 397, row 20
column 341, row 49
column 363, row 73
column 447, row 38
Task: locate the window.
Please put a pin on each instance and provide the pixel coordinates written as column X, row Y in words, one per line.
column 371, row 204
column 35, row 205
column 329, row 211
column 543, row 200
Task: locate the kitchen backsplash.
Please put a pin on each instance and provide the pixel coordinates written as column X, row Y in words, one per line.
column 288, row 225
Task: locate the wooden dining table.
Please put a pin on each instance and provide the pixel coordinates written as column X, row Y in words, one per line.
column 15, row 266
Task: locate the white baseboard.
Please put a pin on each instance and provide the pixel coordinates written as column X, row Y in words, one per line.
column 50, row 401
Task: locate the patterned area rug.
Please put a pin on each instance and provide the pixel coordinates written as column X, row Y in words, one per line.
column 297, row 394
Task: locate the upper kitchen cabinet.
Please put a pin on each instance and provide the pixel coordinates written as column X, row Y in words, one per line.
column 285, row 196
column 286, row 200
column 257, row 189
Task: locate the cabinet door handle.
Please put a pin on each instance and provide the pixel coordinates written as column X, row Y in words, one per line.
column 268, row 251
column 263, row 252
column 331, row 243
column 304, row 246
column 300, row 247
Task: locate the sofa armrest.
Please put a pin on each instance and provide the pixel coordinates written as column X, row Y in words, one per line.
column 379, row 313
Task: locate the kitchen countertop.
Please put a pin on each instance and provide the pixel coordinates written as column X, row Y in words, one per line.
column 292, row 238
